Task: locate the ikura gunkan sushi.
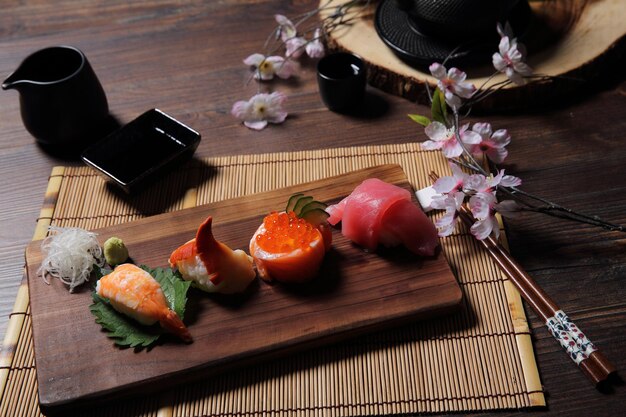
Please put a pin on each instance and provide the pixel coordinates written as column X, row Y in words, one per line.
column 290, row 246
column 211, row 265
column 380, row 213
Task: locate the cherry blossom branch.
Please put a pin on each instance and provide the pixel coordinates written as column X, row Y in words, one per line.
column 551, row 208
column 473, row 163
column 328, row 24
column 462, row 146
column 483, row 94
column 491, row 77
column 557, row 210
column 264, row 108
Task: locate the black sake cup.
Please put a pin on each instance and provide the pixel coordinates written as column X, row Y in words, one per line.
column 341, row 78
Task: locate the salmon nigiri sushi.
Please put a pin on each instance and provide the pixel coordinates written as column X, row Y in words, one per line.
column 211, row 265
column 135, row 293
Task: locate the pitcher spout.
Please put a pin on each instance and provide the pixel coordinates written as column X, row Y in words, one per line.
column 11, row 83
column 18, row 79
column 48, row 66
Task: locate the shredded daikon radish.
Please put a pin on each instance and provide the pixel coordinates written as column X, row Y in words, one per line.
column 70, row 255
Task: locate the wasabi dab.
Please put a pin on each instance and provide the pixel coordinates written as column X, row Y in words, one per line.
column 115, row 251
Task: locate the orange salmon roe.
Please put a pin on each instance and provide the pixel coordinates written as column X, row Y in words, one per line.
column 285, row 232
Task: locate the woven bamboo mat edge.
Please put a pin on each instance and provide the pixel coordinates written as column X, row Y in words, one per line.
column 21, row 305
column 22, row 301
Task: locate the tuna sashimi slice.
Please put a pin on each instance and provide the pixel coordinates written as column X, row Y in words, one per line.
column 377, row 212
column 336, row 211
column 364, row 209
column 406, row 223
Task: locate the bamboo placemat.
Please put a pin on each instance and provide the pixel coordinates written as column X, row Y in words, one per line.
column 478, row 359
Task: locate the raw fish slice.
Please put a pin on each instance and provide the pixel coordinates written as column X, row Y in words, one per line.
column 377, row 212
column 134, row 292
column 405, row 223
column 336, row 211
column 364, row 208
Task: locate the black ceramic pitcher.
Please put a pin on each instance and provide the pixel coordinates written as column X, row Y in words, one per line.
column 61, row 100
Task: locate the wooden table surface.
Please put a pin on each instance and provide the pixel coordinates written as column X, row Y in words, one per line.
column 185, row 58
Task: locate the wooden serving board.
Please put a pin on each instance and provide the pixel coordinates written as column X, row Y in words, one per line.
column 355, row 292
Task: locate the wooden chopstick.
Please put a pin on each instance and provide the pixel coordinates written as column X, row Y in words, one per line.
column 591, row 361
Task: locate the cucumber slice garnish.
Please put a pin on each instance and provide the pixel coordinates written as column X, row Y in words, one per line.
column 311, row 206
column 292, row 201
column 302, row 201
column 305, row 207
column 315, row 216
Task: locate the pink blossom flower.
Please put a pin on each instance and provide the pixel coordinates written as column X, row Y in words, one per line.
column 294, row 44
column 452, row 83
column 261, row 109
column 490, row 143
column 469, row 137
column 315, row 47
column 294, row 47
column 510, row 60
column 477, row 183
column 482, row 204
column 286, row 29
column 455, row 182
column 444, row 138
column 504, row 180
column 267, row 67
column 481, row 184
column 484, row 227
column 483, row 207
column 451, row 203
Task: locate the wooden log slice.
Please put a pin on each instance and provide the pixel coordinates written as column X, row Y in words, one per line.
column 573, row 42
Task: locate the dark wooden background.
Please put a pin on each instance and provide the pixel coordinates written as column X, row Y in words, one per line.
column 185, row 58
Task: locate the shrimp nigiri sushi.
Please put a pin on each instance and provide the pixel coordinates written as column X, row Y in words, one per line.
column 211, row 265
column 135, row 293
column 289, row 246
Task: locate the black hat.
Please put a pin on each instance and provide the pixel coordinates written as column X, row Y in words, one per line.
column 421, row 32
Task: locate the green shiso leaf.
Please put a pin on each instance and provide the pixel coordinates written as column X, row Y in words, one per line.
column 99, row 272
column 126, row 331
column 173, row 286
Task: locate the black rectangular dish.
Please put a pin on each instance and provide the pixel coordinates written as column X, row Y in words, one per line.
column 140, row 150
